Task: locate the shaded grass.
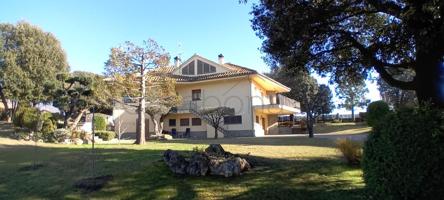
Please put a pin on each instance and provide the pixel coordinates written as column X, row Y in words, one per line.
column 300, row 169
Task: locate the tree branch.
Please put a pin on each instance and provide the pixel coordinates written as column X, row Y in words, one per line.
column 387, row 7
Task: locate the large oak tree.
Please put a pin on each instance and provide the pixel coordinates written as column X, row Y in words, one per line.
column 29, row 60
column 351, row 38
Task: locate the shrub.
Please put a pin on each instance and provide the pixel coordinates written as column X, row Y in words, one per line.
column 60, row 135
column 99, row 123
column 404, row 156
column 106, row 135
column 26, row 117
column 48, row 129
column 376, row 111
column 351, row 150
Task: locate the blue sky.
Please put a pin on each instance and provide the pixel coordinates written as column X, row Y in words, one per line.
column 87, row 29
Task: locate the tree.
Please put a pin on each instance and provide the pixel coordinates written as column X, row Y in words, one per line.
column 351, row 38
column 129, row 65
column 215, row 116
column 30, row 59
column 161, row 97
column 353, row 95
column 395, row 97
column 305, row 89
column 326, row 104
column 80, row 92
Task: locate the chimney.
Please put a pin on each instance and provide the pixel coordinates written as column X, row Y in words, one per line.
column 221, row 59
column 177, row 61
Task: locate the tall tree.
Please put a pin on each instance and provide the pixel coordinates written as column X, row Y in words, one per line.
column 30, row 59
column 326, row 104
column 353, row 95
column 305, row 89
column 351, row 38
column 160, row 98
column 129, row 65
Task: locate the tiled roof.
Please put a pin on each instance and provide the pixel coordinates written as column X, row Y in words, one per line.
column 233, row 71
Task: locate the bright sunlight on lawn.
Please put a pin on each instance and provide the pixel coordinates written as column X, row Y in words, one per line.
column 288, row 168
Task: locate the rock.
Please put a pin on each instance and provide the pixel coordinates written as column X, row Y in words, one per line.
column 66, row 141
column 214, row 161
column 175, row 162
column 198, row 164
column 77, row 141
column 167, row 137
column 215, row 149
column 233, row 166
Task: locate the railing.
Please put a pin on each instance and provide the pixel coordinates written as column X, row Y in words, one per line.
column 195, row 107
column 283, row 100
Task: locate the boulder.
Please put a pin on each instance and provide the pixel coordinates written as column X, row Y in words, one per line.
column 214, row 161
column 233, row 166
column 77, row 141
column 215, row 149
column 198, row 164
column 175, row 162
column 167, row 137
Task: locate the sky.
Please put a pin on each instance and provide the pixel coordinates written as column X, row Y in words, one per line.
column 87, row 29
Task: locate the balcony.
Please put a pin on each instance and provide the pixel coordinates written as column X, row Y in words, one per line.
column 281, row 105
column 283, row 100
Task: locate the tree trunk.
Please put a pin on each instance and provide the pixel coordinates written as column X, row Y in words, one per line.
column 215, row 132
column 5, row 103
column 353, row 113
column 65, row 120
column 430, row 79
column 140, row 138
column 156, row 126
column 310, row 126
column 77, row 120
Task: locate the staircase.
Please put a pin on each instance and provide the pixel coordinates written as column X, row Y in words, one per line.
column 194, row 108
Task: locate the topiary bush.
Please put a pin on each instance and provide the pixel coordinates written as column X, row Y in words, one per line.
column 99, row 123
column 105, row 135
column 404, row 156
column 26, row 117
column 351, row 150
column 376, row 111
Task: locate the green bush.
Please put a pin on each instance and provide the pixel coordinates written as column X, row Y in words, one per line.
column 351, row 150
column 99, row 123
column 404, row 156
column 105, row 135
column 26, row 117
column 59, row 135
column 376, row 111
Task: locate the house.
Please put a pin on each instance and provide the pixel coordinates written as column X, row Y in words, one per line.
column 256, row 99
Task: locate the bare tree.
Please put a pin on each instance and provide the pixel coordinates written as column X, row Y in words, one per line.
column 215, row 116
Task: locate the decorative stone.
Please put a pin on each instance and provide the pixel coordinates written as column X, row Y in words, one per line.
column 214, row 161
column 167, row 137
column 175, row 162
column 77, row 141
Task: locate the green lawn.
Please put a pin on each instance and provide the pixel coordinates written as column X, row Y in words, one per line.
column 289, row 168
column 342, row 128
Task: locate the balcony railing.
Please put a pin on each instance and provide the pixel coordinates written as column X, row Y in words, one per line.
column 283, row 100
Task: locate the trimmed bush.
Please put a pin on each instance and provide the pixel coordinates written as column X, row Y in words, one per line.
column 60, row 135
column 106, row 135
column 26, row 117
column 99, row 123
column 376, row 111
column 351, row 150
column 404, row 156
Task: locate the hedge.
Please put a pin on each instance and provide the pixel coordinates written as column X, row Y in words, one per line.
column 376, row 112
column 404, row 155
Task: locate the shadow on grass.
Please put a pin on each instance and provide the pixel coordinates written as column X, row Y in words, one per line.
column 141, row 174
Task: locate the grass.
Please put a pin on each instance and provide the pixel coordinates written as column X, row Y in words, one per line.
column 342, row 128
column 289, row 168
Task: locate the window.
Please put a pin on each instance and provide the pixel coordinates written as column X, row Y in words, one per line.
column 184, row 122
column 172, row 122
column 196, row 95
column 196, row 121
column 237, row 119
column 205, row 68
column 189, row 69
